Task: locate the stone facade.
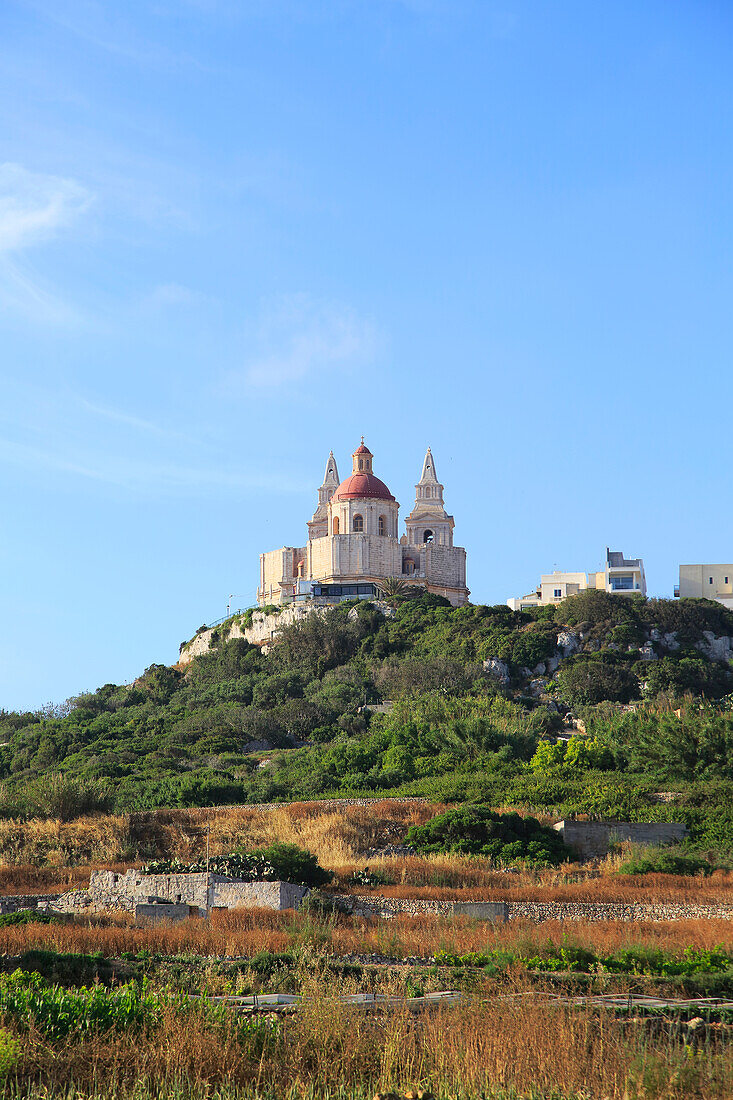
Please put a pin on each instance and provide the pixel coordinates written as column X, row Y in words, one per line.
column 592, row 839
column 199, row 891
column 354, row 540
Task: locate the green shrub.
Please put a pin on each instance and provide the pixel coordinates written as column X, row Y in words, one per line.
column 587, row 680
column 478, row 830
column 65, row 797
column 27, row 916
column 278, row 862
column 9, row 1054
column 665, row 862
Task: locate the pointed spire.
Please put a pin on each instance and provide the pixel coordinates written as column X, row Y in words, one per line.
column 331, row 476
column 428, row 469
column 318, row 525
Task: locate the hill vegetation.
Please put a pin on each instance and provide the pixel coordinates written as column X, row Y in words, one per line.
column 644, row 680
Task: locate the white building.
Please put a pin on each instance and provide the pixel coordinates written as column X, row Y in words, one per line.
column 622, row 576
column 711, row 582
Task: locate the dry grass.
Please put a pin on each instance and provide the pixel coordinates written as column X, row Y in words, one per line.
column 337, row 835
column 454, row 877
column 244, row 932
column 49, row 856
column 534, row 1047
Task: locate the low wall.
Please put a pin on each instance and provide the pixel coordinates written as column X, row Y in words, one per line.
column 539, row 911
column 373, row 905
column 14, row 902
column 593, row 839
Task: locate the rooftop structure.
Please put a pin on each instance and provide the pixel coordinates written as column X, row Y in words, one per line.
column 711, row 582
column 622, row 576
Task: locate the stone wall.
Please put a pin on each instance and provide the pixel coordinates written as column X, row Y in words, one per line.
column 592, row 839
column 539, row 911
column 109, row 890
column 15, row 902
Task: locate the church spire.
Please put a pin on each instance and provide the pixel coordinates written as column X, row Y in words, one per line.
column 318, row 525
column 428, row 522
column 429, row 474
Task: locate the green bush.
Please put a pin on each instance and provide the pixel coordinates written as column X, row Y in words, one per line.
column 9, row 1054
column 278, row 862
column 65, row 797
column 662, row 861
column 27, row 916
column 480, row 831
column 587, row 680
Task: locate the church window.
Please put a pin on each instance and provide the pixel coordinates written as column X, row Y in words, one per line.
column 382, row 525
column 409, row 566
column 361, row 463
column 428, row 536
column 335, row 525
column 358, row 523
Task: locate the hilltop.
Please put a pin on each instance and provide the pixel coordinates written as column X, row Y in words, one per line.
column 451, row 703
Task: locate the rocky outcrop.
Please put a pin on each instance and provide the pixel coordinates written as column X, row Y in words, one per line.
column 568, row 643
column 715, row 649
column 499, row 670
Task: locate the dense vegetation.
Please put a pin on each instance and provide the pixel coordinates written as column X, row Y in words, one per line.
column 241, row 726
column 479, row 831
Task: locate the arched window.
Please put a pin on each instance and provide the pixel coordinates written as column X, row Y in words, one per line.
column 428, row 536
column 409, row 566
column 358, row 523
column 335, row 525
column 361, row 463
column 382, row 525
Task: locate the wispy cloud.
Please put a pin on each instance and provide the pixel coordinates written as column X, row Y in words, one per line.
column 35, row 206
column 167, row 295
column 130, row 421
column 299, row 339
column 142, row 476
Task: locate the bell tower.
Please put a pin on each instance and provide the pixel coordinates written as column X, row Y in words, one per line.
column 428, row 522
column 318, row 524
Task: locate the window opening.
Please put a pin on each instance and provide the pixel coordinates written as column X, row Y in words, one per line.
column 358, row 523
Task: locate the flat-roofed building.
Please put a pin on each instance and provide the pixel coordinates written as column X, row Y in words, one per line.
column 710, row 582
column 621, row 577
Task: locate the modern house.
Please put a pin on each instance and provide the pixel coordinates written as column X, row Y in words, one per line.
column 622, row 576
column 710, row 582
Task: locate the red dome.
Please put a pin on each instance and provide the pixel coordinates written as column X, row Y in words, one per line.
column 362, row 485
column 362, row 449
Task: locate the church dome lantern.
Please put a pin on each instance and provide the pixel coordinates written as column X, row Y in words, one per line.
column 362, row 484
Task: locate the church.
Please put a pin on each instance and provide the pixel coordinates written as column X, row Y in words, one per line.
column 354, row 543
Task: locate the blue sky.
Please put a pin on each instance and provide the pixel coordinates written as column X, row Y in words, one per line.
column 234, row 235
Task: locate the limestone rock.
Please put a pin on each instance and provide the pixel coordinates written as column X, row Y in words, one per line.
column 715, row 649
column 498, row 669
column 537, row 686
column 647, row 652
column 669, row 640
column 552, row 664
column 568, row 643
column 540, row 669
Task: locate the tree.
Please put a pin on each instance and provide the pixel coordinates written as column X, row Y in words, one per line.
column 480, row 831
column 585, row 681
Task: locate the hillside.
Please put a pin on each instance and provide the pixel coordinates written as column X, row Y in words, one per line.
column 478, row 698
